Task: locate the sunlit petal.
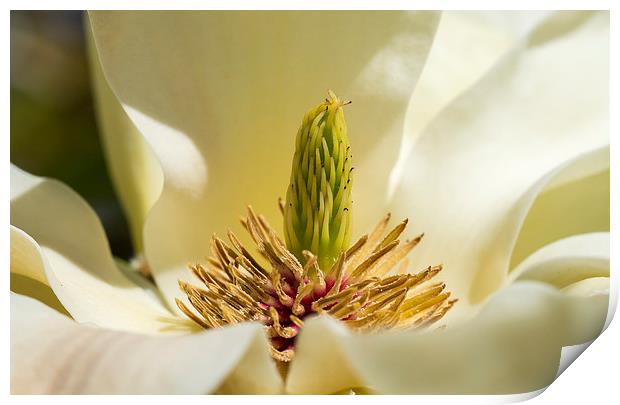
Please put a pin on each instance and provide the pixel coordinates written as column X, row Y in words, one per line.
column 78, row 359
column 492, row 354
column 567, row 261
column 321, row 365
column 131, row 164
column 58, row 240
column 576, row 201
column 512, row 346
column 467, row 44
column 475, row 172
column 513, row 25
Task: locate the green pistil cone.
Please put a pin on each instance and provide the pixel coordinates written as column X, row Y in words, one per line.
column 318, row 200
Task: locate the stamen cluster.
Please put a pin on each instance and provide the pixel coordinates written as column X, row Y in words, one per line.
column 367, row 287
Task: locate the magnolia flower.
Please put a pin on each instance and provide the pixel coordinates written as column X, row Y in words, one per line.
column 488, row 131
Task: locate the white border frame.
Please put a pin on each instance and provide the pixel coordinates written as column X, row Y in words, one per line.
column 593, row 376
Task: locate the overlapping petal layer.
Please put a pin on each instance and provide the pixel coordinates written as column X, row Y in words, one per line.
column 512, row 346
column 493, row 353
column 575, row 201
column 78, row 359
column 474, row 174
column 57, row 239
column 135, row 172
column 466, row 46
column 567, row 261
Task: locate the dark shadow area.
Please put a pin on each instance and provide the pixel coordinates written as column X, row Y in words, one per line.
column 53, row 128
column 37, row 290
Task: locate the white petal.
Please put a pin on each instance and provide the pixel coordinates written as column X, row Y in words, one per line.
column 256, row 372
column 589, row 287
column 466, row 45
column 58, row 240
column 25, row 256
column 321, row 364
column 511, row 24
column 220, row 96
column 78, row 359
column 133, row 167
column 512, row 346
column 594, row 288
column 479, row 166
column 27, row 286
column 567, row 261
column 575, row 201
column 28, row 272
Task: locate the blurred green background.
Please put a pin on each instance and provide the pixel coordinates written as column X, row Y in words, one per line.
column 53, row 128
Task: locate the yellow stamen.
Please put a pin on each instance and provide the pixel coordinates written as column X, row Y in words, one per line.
column 275, row 289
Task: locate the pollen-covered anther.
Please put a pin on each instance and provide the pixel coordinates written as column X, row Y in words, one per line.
column 367, row 287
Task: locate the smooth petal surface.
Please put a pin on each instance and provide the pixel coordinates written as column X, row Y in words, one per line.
column 78, row 359
column 513, row 25
column 476, row 171
column 132, row 166
column 491, row 354
column 58, row 240
column 26, row 256
column 575, row 201
column 219, row 97
column 578, row 265
column 467, row 44
column 567, row 261
column 28, row 272
column 321, row 364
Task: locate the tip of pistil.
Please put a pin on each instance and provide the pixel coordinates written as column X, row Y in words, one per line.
column 332, row 98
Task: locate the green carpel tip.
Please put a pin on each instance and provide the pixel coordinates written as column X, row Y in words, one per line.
column 318, row 200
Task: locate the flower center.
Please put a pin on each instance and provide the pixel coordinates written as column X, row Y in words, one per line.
column 365, row 285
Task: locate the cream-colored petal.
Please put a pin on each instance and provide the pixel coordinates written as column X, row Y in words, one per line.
column 491, row 354
column 134, row 170
column 590, row 308
column 477, row 169
column 58, row 240
column 28, row 272
column 588, row 287
column 575, row 202
column 219, row 97
column 79, row 359
column 467, row 44
column 321, row 364
column 27, row 286
column 513, row 24
column 26, row 256
column 256, row 372
column 567, row 261
column 512, row 346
